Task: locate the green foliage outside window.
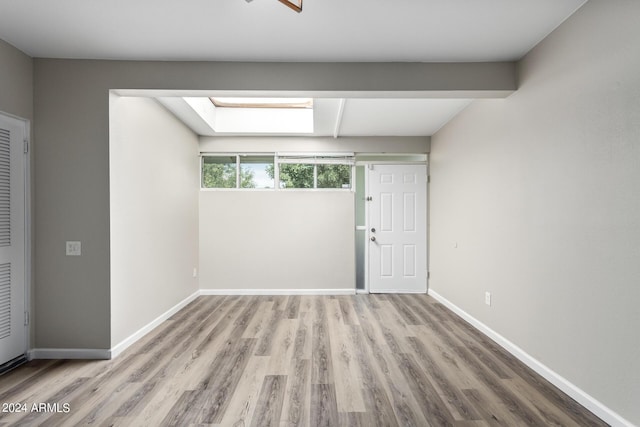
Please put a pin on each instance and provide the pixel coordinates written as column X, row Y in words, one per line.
column 294, row 175
column 300, row 175
column 220, row 172
column 334, row 176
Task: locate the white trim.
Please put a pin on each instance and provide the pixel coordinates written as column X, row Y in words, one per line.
column 92, row 353
column 27, row 259
column 362, row 292
column 277, row 291
column 311, row 160
column 236, row 189
column 400, row 291
column 69, row 353
column 127, row 342
column 554, row 378
column 390, row 162
column 311, row 154
column 336, row 128
column 367, row 226
column 28, row 235
column 319, row 190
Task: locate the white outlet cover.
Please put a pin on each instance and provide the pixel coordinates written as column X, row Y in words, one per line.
column 487, row 298
column 74, row 248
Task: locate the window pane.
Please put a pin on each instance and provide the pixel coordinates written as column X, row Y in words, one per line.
column 256, row 172
column 219, row 172
column 296, row 175
column 334, row 176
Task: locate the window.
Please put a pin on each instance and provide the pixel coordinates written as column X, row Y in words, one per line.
column 334, row 176
column 237, row 171
column 254, row 115
column 321, row 171
column 261, row 171
column 256, row 172
column 219, row 172
column 295, row 175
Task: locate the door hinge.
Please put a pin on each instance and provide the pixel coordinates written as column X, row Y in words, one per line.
column 26, row 318
column 26, row 146
column 428, row 179
column 428, row 274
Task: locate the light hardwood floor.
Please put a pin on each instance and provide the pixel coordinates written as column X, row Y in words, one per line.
column 364, row 360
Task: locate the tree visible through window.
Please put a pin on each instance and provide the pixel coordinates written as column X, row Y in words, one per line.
column 219, row 172
column 294, row 175
column 334, row 176
column 259, row 171
column 254, row 172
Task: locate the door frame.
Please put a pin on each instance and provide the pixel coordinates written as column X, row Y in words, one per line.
column 368, row 164
column 26, row 123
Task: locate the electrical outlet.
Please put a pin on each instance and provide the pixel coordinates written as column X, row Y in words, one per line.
column 487, row 298
column 74, row 248
column 195, row 272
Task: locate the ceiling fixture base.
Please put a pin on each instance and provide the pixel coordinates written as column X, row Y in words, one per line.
column 293, row 4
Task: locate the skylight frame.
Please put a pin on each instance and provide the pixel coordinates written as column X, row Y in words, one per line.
column 244, row 102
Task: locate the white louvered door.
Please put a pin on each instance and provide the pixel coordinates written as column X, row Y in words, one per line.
column 398, row 229
column 13, row 343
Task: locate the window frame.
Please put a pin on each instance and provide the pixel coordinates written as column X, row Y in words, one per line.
column 202, row 163
column 313, row 158
column 239, row 171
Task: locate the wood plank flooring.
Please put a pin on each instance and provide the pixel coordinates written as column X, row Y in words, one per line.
column 364, row 360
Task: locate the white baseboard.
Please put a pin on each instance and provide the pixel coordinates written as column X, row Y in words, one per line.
column 397, row 291
column 91, row 353
column 277, row 291
column 69, row 353
column 553, row 377
column 127, row 342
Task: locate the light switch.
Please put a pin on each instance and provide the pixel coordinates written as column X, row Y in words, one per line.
column 74, row 248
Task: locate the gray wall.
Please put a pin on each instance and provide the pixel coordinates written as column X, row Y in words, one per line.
column 541, row 193
column 72, row 294
column 154, row 181
column 16, row 82
column 16, row 98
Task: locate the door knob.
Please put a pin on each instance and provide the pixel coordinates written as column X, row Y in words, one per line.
column 373, row 238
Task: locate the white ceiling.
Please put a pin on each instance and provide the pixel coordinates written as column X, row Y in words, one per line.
column 265, row 30
column 358, row 116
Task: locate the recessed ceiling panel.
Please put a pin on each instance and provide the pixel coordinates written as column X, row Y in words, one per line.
column 398, row 117
column 359, row 117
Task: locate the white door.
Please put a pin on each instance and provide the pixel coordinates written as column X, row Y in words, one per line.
column 397, row 228
column 13, row 343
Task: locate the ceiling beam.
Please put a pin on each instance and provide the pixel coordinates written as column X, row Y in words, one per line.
column 336, row 129
column 329, row 80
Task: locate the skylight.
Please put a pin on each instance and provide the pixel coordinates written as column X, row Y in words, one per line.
column 226, row 102
column 255, row 115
